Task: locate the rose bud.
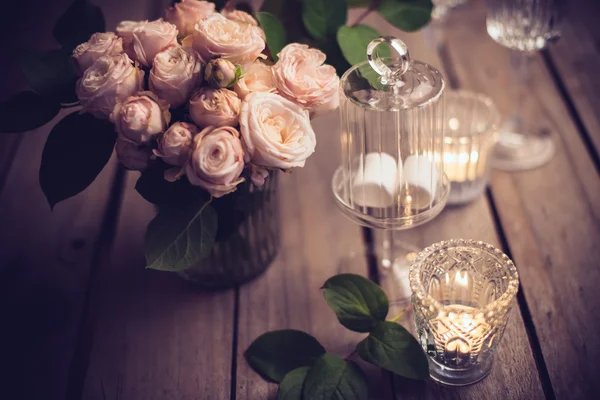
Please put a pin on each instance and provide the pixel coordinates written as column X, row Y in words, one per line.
column 258, row 77
column 133, row 156
column 301, row 76
column 100, row 44
column 174, row 74
column 215, row 107
column 141, row 118
column 187, row 13
column 149, row 39
column 221, row 73
column 108, row 81
column 217, row 160
column 175, row 144
column 276, row 131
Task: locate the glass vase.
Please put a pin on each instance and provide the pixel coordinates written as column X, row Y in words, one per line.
column 247, row 238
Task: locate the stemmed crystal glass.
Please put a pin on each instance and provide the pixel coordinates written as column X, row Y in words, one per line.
column 392, row 138
column 525, row 27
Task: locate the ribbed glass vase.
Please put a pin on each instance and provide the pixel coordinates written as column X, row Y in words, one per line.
column 247, row 239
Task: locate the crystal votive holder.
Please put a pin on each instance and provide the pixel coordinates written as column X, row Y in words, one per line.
column 462, row 292
column 470, row 127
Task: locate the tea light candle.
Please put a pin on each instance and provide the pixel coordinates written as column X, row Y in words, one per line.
column 469, row 136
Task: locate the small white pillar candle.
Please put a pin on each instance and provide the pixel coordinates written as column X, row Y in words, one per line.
column 375, row 182
column 420, row 171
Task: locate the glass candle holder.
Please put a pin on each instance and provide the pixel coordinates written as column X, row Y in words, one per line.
column 471, row 125
column 462, row 292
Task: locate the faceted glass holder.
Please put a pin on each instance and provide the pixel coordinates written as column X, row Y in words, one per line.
column 462, row 291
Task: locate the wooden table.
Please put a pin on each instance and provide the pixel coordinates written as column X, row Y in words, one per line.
column 82, row 318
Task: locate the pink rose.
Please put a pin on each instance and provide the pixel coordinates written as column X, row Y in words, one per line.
column 217, row 36
column 301, row 76
column 258, row 77
column 149, row 39
column 125, row 31
column 220, row 73
column 100, row 44
column 141, row 118
column 187, row 13
column 175, row 145
column 217, row 160
column 239, row 16
column 108, row 81
column 276, row 131
column 132, row 156
column 174, row 74
column 215, row 107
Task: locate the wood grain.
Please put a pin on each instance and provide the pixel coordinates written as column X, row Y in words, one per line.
column 45, row 257
column 550, row 215
column 154, row 336
column 514, row 356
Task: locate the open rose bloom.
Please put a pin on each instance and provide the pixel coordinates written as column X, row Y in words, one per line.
column 195, row 93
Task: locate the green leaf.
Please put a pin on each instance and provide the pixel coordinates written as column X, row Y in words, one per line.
column 358, row 303
column 51, row 74
column 392, row 347
column 155, row 189
column 359, row 3
column 276, row 353
column 26, row 111
column 323, row 18
column 335, row 58
column 78, row 147
column 333, row 378
column 274, row 32
column 78, row 23
column 180, row 236
column 408, row 15
column 291, row 386
column 354, row 41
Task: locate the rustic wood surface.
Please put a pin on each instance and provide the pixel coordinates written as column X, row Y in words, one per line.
column 83, row 319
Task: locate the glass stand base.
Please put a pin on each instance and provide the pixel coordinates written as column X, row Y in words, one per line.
column 459, row 377
column 517, row 152
column 393, row 270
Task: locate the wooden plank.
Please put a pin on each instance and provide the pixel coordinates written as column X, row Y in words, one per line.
column 314, row 237
column 45, row 257
column 154, row 337
column 549, row 215
column 514, row 374
column 577, row 60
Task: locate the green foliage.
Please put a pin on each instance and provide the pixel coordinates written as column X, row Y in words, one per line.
column 274, row 32
column 392, row 347
column 76, row 151
column 408, row 15
column 78, row 23
column 26, row 111
column 180, row 236
column 155, row 189
column 305, row 371
column 292, row 384
column 354, row 41
column 334, row 378
column 274, row 354
column 51, row 74
column 358, row 302
column 323, row 18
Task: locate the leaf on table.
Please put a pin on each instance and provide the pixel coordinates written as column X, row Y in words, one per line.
column 408, row 15
column 353, row 42
column 180, row 236
column 392, row 347
column 78, row 23
column 274, row 32
column 322, row 18
column 26, row 111
column 274, row 354
column 358, row 302
column 78, row 148
column 334, row 378
column 291, row 385
column 51, row 74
